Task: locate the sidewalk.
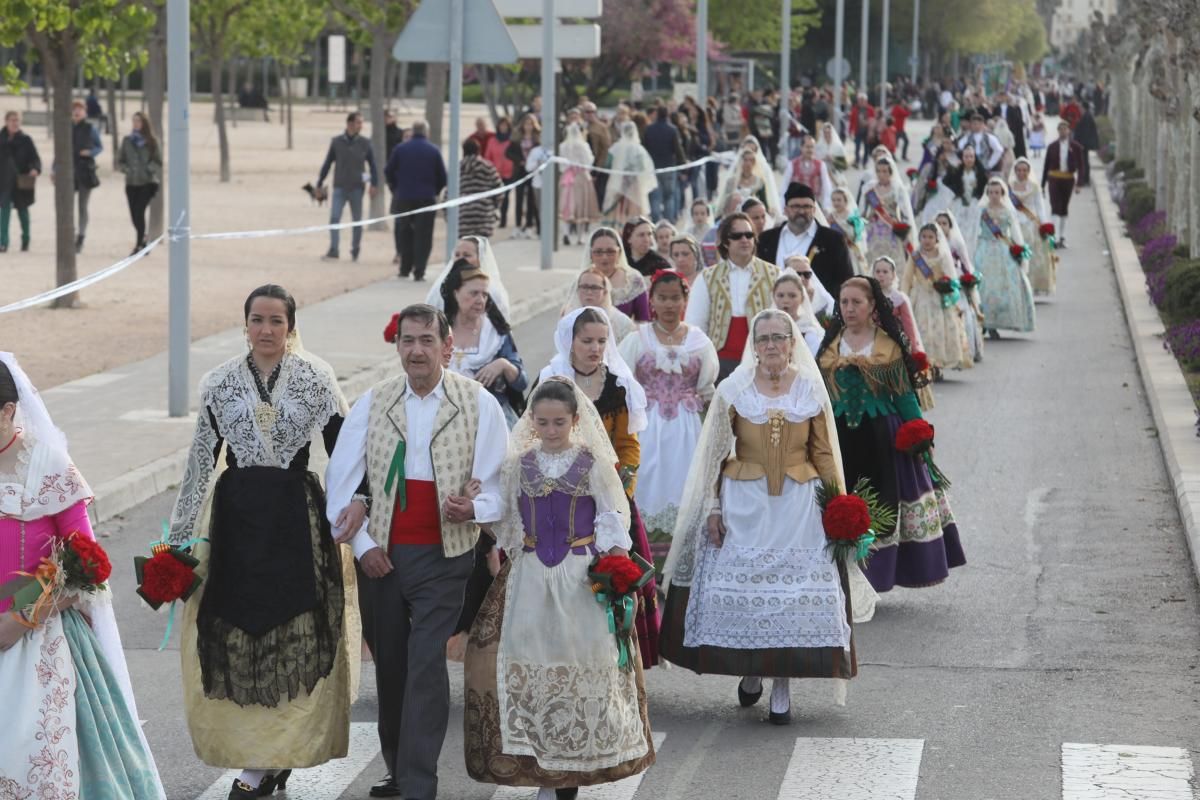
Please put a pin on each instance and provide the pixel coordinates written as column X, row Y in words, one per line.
column 130, row 450
column 1170, row 400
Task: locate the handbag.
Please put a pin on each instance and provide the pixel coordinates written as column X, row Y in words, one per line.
column 88, row 178
column 26, row 183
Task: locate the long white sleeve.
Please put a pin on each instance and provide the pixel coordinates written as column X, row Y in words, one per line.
column 826, row 198
column 491, row 446
column 610, row 527
column 347, row 467
column 697, row 307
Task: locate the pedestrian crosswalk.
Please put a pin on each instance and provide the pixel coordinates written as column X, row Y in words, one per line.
column 845, row 768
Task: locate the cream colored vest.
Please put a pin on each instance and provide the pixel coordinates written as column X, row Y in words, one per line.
column 720, row 298
column 452, row 451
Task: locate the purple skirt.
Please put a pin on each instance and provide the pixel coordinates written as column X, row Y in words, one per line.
column 926, row 543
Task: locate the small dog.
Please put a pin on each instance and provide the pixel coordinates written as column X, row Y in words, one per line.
column 318, row 194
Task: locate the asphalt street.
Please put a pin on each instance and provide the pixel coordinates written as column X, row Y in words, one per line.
column 1073, row 624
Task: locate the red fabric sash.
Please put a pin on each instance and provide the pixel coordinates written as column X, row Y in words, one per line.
column 877, row 206
column 735, row 342
column 420, row 522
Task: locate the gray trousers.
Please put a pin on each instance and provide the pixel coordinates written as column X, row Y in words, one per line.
column 411, row 613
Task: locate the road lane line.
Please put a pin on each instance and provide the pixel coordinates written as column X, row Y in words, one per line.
column 621, row 790
column 853, row 769
column 1121, row 772
column 326, row 782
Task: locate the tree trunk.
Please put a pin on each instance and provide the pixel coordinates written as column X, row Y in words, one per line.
column 113, row 119
column 1194, row 167
column 360, row 54
column 153, row 91
column 218, row 62
column 436, row 78
column 380, row 55
column 60, row 76
column 231, row 89
column 287, row 88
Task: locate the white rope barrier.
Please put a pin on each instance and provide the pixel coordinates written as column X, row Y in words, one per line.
column 176, row 232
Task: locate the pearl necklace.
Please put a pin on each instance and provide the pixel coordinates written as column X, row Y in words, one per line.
column 670, row 334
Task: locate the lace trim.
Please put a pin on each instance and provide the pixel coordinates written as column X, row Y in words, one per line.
column 555, row 465
column 800, row 403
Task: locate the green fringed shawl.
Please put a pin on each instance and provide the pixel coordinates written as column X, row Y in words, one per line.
column 872, row 385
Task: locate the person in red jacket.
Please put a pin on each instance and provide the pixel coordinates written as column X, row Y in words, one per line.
column 495, row 153
column 887, row 135
column 900, row 114
column 861, row 115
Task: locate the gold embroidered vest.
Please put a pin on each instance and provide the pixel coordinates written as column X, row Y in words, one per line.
column 720, row 299
column 451, row 450
column 778, row 448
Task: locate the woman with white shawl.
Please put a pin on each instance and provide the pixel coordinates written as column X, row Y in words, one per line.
column 751, row 176
column 477, row 250
column 930, row 271
column 831, row 150
column 71, row 725
column 627, row 287
column 628, row 192
column 791, row 296
column 753, row 590
column 577, row 203
column 1005, row 136
column 1001, row 257
column 968, row 301
column 888, row 213
column 846, row 220
column 1027, row 199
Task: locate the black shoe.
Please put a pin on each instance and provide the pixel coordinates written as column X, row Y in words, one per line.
column 567, row 794
column 419, row 278
column 242, row 791
column 747, row 699
column 566, row 241
column 404, row 274
column 780, row 718
column 274, row 783
column 78, row 244
column 386, row 788
column 354, row 255
column 3, row 248
column 25, row 247
column 330, row 256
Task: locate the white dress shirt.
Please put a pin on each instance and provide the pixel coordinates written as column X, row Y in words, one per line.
column 698, row 297
column 1064, row 155
column 348, row 464
column 976, row 140
column 792, row 245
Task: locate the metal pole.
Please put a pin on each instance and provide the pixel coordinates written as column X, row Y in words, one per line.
column 785, row 76
column 549, row 132
column 179, row 96
column 835, row 111
column 701, row 52
column 883, row 62
column 456, row 90
column 864, row 43
column 916, row 31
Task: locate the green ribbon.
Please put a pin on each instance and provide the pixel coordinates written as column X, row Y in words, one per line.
column 171, row 608
column 396, row 474
column 626, row 603
column 1053, row 242
column 950, row 299
column 863, row 548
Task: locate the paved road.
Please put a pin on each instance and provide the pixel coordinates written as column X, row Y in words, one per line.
column 1066, row 649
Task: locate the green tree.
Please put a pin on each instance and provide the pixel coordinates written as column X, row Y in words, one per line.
column 753, row 25
column 381, row 23
column 213, row 23
column 282, row 30
column 102, row 36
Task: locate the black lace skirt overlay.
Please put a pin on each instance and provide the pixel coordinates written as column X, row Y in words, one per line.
column 270, row 620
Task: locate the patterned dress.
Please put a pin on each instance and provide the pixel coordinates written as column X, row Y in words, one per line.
column 882, row 210
column 1005, row 295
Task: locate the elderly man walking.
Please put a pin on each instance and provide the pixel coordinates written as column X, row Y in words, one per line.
column 416, row 173
column 424, row 448
column 350, row 155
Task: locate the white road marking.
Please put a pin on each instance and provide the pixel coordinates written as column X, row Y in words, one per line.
column 1123, row 772
column 621, row 790
column 326, row 782
column 853, row 769
column 156, row 415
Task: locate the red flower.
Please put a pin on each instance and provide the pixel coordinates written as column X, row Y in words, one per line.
column 1047, row 229
column 392, row 330
column 911, row 172
column 93, row 565
column 622, row 571
column 914, row 436
column 931, row 184
column 943, row 285
column 846, row 517
column 921, row 360
column 968, row 281
column 901, row 229
column 166, row 578
column 1016, row 251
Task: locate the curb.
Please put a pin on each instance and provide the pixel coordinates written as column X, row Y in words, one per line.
column 115, row 497
column 1170, row 400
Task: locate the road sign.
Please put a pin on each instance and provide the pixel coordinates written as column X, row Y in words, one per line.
column 570, row 41
column 337, row 59
column 832, row 71
column 485, row 37
column 563, row 9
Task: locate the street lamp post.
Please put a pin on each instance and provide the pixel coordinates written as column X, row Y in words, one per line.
column 702, row 51
column 916, row 30
column 838, row 58
column 883, row 59
column 864, row 43
column 785, row 75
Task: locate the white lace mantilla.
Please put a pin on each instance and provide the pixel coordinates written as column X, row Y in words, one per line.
column 798, row 404
column 305, row 397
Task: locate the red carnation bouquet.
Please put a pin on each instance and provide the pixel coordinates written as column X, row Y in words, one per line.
column 931, row 184
column 615, row 582
column 921, row 360
column 75, row 567
column 911, row 172
column 1017, row 251
column 1046, row 230
column 168, row 575
column 901, row 229
column 915, row 438
column 854, row 521
column 944, row 285
column 968, row 280
column 392, row 331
